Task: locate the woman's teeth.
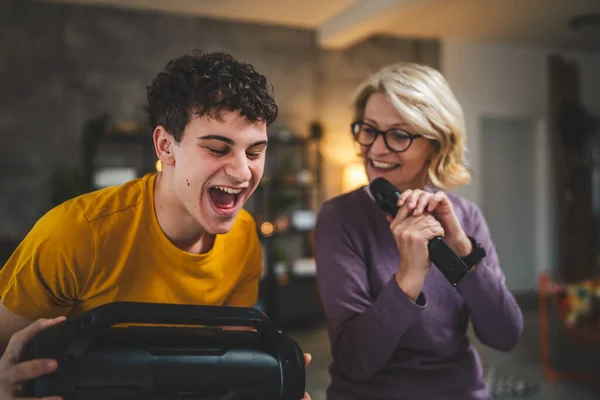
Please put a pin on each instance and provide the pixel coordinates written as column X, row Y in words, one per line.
column 383, row 165
column 228, row 190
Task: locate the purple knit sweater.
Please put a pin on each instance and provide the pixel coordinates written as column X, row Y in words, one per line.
column 384, row 345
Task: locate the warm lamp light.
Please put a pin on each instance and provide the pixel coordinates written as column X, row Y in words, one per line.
column 354, row 177
column 267, row 229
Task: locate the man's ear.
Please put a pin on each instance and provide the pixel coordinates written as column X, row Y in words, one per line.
column 163, row 145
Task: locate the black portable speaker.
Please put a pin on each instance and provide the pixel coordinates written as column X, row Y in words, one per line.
column 129, row 350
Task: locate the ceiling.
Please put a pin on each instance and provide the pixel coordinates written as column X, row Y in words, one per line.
column 340, row 23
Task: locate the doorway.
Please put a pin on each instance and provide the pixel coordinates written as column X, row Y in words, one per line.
column 508, row 198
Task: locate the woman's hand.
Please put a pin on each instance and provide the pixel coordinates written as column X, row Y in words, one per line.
column 412, row 234
column 438, row 204
column 13, row 372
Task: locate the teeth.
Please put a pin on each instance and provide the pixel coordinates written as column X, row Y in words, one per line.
column 383, row 165
column 228, row 190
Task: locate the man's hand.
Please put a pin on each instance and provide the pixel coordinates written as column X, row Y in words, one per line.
column 307, row 358
column 13, row 372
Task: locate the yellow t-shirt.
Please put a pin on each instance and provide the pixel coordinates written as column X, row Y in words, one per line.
column 107, row 246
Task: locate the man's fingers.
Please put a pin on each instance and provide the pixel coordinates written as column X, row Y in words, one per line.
column 28, row 370
column 20, row 339
column 307, row 359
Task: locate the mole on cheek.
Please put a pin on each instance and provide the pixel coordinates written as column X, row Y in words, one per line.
column 188, row 182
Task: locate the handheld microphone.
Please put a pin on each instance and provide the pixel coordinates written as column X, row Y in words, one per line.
column 442, row 256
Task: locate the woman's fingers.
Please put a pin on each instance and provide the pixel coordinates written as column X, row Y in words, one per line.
column 412, row 199
column 418, row 201
column 403, row 196
column 437, row 199
column 433, row 232
column 422, row 203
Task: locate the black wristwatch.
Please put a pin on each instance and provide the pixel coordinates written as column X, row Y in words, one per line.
column 476, row 255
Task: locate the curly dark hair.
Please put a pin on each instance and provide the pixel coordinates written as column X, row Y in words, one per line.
column 208, row 84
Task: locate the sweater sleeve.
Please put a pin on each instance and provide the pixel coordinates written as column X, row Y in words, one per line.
column 364, row 331
column 496, row 317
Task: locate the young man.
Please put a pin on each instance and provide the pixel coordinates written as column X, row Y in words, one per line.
column 179, row 236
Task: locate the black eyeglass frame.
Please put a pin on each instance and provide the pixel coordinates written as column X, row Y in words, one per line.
column 410, row 136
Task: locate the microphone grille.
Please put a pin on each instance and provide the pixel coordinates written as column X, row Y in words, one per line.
column 381, row 187
column 385, row 194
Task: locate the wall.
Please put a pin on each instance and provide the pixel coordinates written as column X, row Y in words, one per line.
column 503, row 80
column 69, row 64
column 64, row 64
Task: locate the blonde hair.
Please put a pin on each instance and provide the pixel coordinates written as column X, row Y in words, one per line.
column 424, row 99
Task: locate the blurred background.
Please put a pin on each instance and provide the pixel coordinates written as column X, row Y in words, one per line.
column 72, row 90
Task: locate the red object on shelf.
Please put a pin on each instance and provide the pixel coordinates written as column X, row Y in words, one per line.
column 574, row 339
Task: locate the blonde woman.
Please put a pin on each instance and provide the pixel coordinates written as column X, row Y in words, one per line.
column 398, row 328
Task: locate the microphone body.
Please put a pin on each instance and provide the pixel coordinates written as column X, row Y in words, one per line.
column 443, row 257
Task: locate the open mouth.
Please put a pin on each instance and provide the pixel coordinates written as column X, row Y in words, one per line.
column 225, row 199
column 382, row 165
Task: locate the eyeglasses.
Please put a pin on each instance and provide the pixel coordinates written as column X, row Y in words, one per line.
column 395, row 139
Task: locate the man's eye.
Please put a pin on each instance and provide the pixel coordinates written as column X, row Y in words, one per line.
column 220, row 152
column 254, row 155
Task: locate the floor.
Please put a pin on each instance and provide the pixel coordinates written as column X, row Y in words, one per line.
column 524, row 362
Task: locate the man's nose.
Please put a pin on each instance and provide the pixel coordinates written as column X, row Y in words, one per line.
column 238, row 169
